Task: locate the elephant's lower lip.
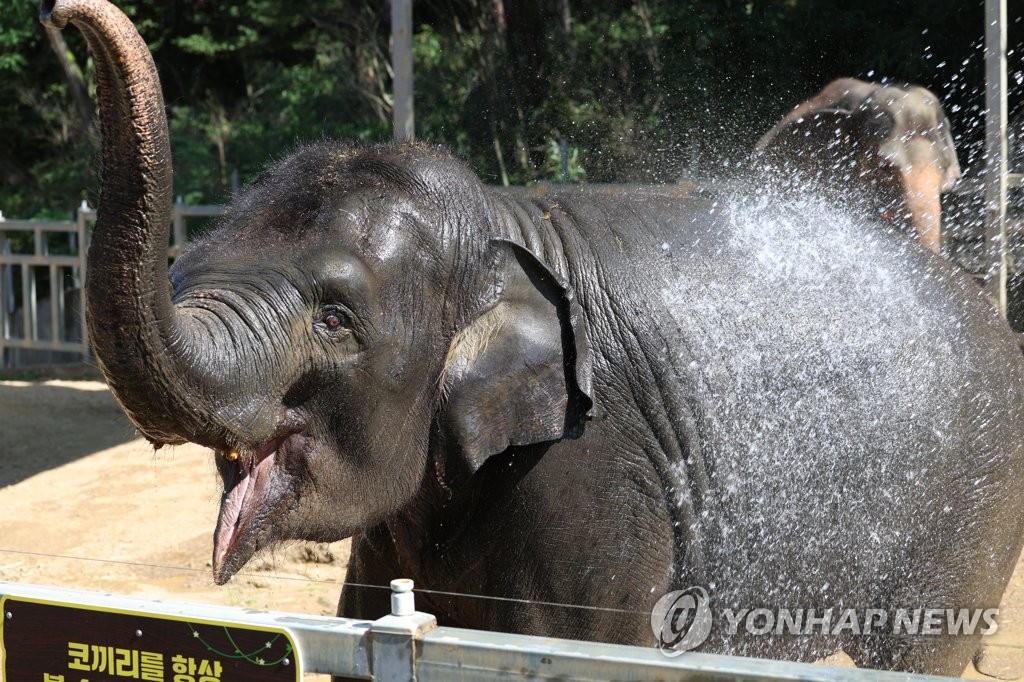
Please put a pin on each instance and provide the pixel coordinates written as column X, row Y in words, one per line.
column 243, row 495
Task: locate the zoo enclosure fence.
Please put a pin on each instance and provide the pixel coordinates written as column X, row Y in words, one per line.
column 407, row 645
column 42, row 277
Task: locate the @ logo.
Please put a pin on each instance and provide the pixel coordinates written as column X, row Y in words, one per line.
column 681, row 620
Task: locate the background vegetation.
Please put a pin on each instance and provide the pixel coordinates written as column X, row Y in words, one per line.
column 644, row 89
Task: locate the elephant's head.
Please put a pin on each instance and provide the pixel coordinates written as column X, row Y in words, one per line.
column 892, row 143
column 363, row 322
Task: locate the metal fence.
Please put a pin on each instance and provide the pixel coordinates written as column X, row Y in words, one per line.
column 42, row 270
column 411, row 647
column 42, row 275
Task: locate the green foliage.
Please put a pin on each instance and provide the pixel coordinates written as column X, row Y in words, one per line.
column 641, row 88
column 553, row 164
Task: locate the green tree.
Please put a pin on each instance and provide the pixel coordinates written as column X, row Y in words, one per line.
column 642, row 89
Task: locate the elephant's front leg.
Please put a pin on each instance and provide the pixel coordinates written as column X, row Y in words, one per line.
column 371, row 568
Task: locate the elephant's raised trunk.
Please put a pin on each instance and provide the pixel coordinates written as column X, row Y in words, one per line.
column 131, row 319
column 921, row 191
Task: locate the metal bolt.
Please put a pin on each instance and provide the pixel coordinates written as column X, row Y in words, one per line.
column 403, row 603
column 286, row 661
column 138, row 633
column 9, row 615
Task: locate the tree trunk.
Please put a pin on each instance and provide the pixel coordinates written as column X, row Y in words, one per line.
column 84, row 114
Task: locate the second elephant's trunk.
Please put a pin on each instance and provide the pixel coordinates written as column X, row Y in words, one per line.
column 921, row 193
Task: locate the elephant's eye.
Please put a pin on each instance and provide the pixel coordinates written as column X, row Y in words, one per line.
column 335, row 320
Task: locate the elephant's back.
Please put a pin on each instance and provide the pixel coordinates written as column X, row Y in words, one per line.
column 852, row 395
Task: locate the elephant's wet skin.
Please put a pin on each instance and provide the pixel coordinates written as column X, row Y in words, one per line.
column 580, row 399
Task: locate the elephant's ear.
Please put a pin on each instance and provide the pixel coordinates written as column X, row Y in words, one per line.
column 520, row 373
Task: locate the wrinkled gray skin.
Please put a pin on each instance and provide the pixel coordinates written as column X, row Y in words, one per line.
column 575, row 398
column 891, row 145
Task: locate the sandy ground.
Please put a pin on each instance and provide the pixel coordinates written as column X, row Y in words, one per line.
column 84, row 504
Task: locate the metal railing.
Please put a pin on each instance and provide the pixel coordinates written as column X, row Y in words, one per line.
column 180, row 213
column 38, row 330
column 407, row 645
column 59, row 327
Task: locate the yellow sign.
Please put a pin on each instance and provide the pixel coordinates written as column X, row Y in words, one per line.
column 52, row 641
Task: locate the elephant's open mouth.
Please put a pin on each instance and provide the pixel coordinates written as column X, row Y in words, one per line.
column 245, row 493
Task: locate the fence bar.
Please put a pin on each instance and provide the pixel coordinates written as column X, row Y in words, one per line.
column 977, row 186
column 199, row 211
column 28, row 303
column 85, row 216
column 455, row 653
column 56, row 299
column 353, row 648
column 63, row 333
column 180, row 235
column 996, row 166
column 33, row 225
column 26, row 259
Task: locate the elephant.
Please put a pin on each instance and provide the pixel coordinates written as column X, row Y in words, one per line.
column 890, row 144
column 553, row 409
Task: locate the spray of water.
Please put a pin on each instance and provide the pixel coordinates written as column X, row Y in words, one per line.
column 849, row 418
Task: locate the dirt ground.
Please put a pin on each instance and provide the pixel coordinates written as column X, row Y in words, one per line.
column 84, row 504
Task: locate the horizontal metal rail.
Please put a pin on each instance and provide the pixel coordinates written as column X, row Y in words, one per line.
column 409, row 647
column 44, row 344
column 25, row 259
column 977, row 185
column 39, row 225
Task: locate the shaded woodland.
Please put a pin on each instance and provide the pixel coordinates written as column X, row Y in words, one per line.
column 644, row 90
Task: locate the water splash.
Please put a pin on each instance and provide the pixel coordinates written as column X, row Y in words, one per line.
column 838, row 391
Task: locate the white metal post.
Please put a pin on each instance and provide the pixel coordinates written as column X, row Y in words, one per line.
column 401, row 65
column 85, row 215
column 995, row 152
